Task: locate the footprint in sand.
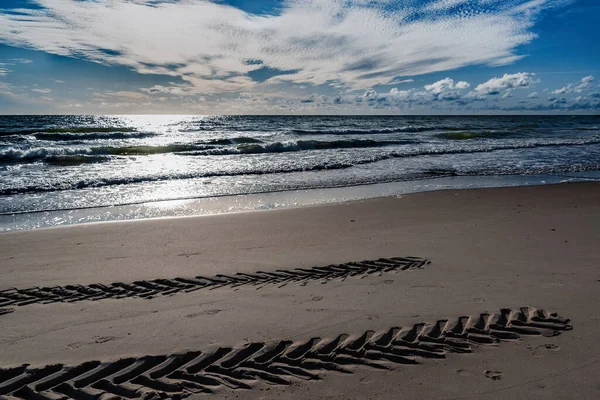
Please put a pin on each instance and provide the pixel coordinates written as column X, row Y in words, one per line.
column 464, row 372
column 543, row 349
column 317, row 298
column 493, row 375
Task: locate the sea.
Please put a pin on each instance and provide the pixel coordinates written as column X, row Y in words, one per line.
column 57, row 170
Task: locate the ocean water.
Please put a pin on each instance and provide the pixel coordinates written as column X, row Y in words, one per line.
column 65, row 163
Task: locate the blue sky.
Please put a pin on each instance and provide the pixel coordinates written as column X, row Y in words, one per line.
column 299, row 56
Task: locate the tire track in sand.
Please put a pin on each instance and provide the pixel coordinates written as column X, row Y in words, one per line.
column 152, row 288
column 180, row 375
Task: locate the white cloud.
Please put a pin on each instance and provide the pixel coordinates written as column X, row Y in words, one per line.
column 370, row 94
column 533, row 95
column 174, row 89
column 584, row 84
column 587, row 79
column 507, row 82
column 445, row 85
column 401, row 94
column 45, row 91
column 563, row 90
column 446, row 89
column 356, row 44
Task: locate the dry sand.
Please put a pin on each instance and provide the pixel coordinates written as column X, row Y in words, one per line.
column 489, row 249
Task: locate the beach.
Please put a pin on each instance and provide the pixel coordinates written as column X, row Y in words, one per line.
column 475, row 252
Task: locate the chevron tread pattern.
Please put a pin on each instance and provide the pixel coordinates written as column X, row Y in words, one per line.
column 152, row 288
column 181, row 375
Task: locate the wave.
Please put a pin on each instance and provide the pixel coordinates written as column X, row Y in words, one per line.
column 300, row 145
column 510, row 170
column 403, row 129
column 12, row 155
column 67, row 136
column 245, row 146
column 489, row 148
column 149, row 150
column 408, row 129
column 16, row 155
column 67, row 161
column 73, row 130
column 430, row 173
column 83, row 184
column 350, row 129
column 225, row 128
column 459, row 135
column 237, row 140
column 290, row 168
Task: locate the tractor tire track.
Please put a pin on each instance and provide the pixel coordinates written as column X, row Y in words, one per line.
column 152, row 288
column 181, row 375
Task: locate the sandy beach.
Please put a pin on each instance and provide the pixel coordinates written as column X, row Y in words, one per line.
column 352, row 331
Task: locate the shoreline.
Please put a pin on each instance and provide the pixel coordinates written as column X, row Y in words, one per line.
column 129, row 239
column 281, row 199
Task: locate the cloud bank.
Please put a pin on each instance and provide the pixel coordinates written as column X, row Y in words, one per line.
column 213, row 47
column 448, row 96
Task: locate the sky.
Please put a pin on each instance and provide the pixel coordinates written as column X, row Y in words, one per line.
column 299, row 57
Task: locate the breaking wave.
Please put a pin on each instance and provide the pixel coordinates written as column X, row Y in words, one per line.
column 325, row 165
column 16, row 155
column 74, row 130
column 236, row 146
